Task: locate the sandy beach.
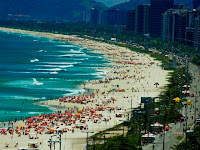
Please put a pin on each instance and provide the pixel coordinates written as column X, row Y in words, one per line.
column 131, row 75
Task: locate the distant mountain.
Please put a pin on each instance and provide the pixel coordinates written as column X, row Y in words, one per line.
column 112, row 2
column 132, row 3
column 48, row 9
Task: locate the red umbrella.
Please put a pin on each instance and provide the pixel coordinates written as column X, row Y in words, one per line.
column 149, row 135
column 4, row 130
column 100, row 108
column 157, row 124
column 92, row 110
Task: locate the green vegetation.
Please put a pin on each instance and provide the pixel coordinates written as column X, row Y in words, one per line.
column 58, row 10
column 179, row 138
column 193, row 141
column 114, row 139
column 116, row 143
column 176, row 81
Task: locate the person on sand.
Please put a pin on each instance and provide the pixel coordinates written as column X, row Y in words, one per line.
column 16, row 144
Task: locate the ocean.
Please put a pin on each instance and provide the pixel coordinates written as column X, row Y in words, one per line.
column 38, row 69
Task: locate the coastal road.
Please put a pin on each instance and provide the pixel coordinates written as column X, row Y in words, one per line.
column 177, row 129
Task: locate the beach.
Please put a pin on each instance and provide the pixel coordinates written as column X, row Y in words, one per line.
column 131, row 75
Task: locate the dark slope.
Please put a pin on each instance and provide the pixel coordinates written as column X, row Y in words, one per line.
column 48, row 9
column 132, row 3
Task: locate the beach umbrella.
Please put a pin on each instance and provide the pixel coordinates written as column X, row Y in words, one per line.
column 185, row 91
column 80, row 110
column 157, row 124
column 186, row 85
column 7, row 144
column 50, row 129
column 21, row 126
column 92, row 110
column 149, row 135
column 177, row 99
column 189, row 102
column 68, row 114
column 100, row 108
column 4, row 130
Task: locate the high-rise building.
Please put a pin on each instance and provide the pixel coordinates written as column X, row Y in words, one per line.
column 85, row 17
column 130, row 20
column 196, row 4
column 174, row 25
column 94, row 16
column 197, row 31
column 142, row 19
column 113, row 17
column 190, row 27
column 158, row 7
column 181, row 6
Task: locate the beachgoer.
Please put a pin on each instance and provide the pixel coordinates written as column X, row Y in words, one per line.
column 16, row 144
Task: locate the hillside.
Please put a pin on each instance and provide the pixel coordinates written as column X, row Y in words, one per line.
column 132, row 3
column 48, row 9
column 112, row 2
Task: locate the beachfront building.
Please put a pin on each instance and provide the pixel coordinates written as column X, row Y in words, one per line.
column 94, row 16
column 130, row 20
column 158, row 7
column 196, row 4
column 174, row 24
column 192, row 33
column 113, row 17
column 197, row 32
column 142, row 19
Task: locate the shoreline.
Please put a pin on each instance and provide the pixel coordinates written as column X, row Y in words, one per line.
column 131, row 76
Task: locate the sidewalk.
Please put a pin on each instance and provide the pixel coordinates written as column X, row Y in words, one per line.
column 177, row 130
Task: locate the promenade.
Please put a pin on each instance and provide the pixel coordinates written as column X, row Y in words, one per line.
column 177, row 129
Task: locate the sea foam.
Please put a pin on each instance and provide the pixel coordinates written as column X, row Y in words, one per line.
column 34, row 60
column 35, row 82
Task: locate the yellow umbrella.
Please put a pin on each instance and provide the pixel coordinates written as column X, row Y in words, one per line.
column 21, row 126
column 189, row 102
column 177, row 99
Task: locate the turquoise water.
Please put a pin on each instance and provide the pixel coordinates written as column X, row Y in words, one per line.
column 37, row 68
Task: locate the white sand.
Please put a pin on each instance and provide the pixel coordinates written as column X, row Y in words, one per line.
column 139, row 83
